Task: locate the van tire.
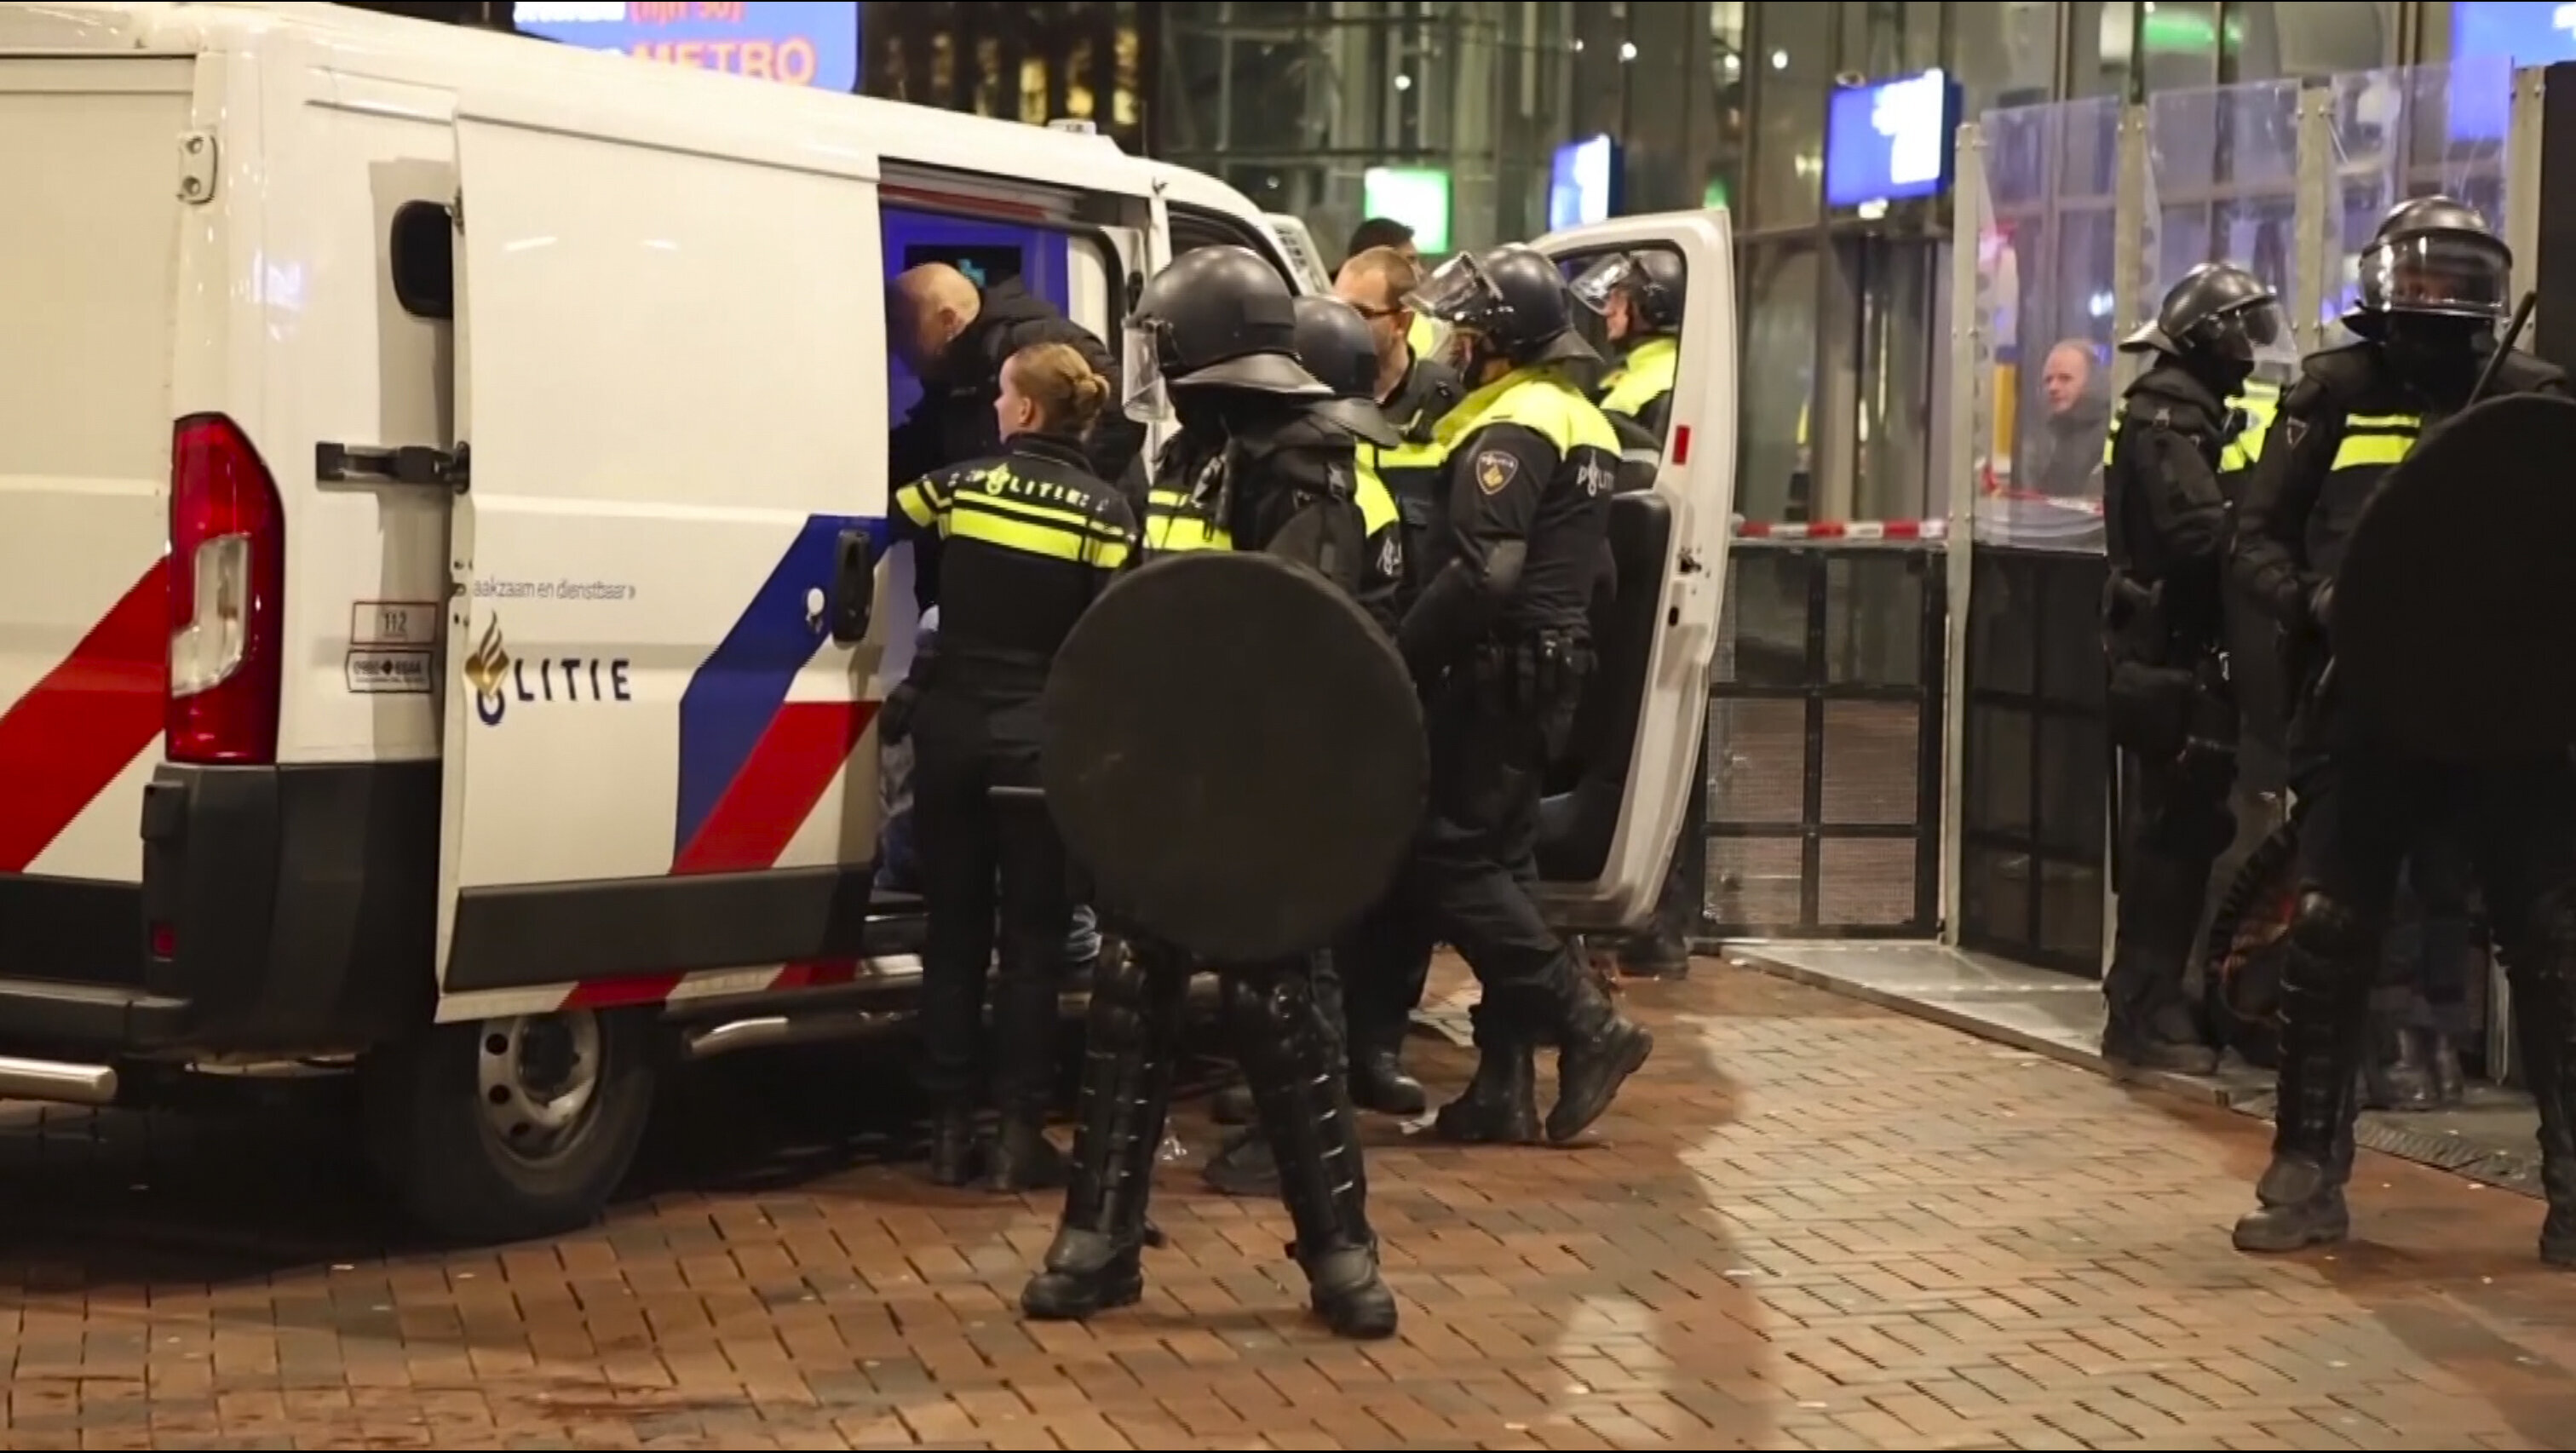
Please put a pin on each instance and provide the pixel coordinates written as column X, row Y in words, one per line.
column 508, row 1129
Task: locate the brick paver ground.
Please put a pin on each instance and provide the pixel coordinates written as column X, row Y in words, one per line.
column 1810, row 1224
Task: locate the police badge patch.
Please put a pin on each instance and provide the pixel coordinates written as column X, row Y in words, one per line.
column 1495, row 468
column 1390, row 555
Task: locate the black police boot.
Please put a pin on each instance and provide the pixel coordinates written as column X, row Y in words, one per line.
column 2544, row 1025
column 2324, row 1006
column 1232, row 1104
column 1378, row 1082
column 2138, row 1037
column 1598, row 1048
column 2399, row 1075
column 1021, row 1157
column 1130, row 1049
column 1657, row 953
column 1243, row 1165
column 2443, row 1078
column 1306, row 1114
column 954, row 1146
column 1500, row 1106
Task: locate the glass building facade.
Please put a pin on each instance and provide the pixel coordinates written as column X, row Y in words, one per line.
column 1306, row 104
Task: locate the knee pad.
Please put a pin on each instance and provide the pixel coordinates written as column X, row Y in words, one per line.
column 2323, row 927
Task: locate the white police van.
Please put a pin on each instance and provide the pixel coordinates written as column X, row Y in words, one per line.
column 441, row 485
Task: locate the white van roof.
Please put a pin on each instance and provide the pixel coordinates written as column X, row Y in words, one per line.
column 558, row 78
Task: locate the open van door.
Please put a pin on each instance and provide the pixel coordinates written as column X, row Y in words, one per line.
column 663, row 578
column 1617, row 798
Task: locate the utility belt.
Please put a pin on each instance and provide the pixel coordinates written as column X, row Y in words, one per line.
column 1533, row 673
column 2167, row 690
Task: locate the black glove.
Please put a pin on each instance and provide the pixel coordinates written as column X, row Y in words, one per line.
column 894, row 719
column 2321, row 606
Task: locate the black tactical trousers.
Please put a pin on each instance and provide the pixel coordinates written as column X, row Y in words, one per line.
column 2365, row 812
column 986, row 863
column 2175, row 820
column 1291, row 1058
column 1384, row 963
column 1470, row 873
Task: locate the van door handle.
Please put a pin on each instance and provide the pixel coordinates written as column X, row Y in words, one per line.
column 854, row 587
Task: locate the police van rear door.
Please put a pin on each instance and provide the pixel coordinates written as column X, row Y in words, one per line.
column 651, row 783
column 1618, row 804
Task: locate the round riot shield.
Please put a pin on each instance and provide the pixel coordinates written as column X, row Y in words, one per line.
column 1234, row 754
column 2454, row 618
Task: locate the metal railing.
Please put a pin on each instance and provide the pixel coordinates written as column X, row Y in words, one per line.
column 1821, row 816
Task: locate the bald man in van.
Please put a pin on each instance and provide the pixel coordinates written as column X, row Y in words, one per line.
column 954, row 336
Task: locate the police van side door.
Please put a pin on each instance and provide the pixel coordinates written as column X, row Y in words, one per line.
column 651, row 781
column 1610, row 837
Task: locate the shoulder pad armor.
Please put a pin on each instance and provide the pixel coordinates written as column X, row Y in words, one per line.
column 2521, row 373
column 2337, row 373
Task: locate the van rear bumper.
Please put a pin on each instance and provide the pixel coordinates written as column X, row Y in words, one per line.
column 283, row 910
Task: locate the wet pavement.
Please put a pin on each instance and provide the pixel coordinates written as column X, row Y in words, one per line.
column 1810, row 1223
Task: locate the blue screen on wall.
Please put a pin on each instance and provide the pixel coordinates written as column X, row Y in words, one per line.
column 2522, row 32
column 1583, row 183
column 1890, row 141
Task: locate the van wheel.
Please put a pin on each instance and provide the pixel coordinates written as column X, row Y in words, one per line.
column 511, row 1128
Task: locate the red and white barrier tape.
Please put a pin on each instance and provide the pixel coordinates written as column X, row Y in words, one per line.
column 1844, row 530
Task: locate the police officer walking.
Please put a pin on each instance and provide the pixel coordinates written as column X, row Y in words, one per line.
column 1499, row 642
column 2433, row 285
column 1010, row 551
column 2165, row 629
column 1255, row 466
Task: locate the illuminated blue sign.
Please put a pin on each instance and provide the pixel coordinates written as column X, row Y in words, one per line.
column 802, row 44
column 1889, row 141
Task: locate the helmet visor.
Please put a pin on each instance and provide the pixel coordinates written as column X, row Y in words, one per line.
column 2458, row 274
column 1140, row 368
column 1595, row 285
column 2247, row 331
column 1457, row 293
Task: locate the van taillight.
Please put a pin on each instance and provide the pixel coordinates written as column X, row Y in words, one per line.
column 227, row 597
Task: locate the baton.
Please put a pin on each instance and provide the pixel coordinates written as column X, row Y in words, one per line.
column 2512, row 335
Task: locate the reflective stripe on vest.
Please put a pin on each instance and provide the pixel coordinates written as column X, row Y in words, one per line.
column 2376, row 440
column 1540, row 400
column 1173, row 524
column 1645, row 376
column 1377, row 503
column 2260, row 402
column 995, row 506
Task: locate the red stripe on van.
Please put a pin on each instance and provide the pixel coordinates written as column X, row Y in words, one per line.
column 85, row 722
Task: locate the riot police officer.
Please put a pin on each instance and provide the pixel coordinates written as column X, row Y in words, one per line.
column 1499, row 642
column 1010, row 551
column 2433, row 284
column 2165, row 629
column 1254, row 466
column 1333, row 343
column 1639, row 296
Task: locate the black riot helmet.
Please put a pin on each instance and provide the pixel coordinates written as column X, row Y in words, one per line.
column 1217, row 317
column 1511, row 303
column 1334, row 343
column 2432, row 257
column 2218, row 316
column 1653, row 281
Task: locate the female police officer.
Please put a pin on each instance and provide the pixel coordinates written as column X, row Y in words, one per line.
column 1011, row 550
